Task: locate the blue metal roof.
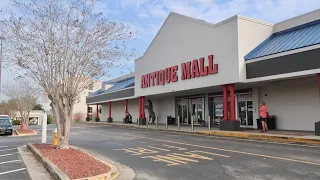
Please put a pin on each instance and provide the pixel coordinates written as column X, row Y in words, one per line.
column 294, row 38
column 125, row 83
column 122, row 84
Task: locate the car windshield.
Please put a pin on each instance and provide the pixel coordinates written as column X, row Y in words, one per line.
column 4, row 121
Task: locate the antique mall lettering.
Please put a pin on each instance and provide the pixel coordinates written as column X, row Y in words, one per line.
column 189, row 70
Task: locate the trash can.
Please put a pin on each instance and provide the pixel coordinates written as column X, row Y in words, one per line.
column 172, row 121
column 259, row 125
column 317, row 128
column 271, row 122
column 168, row 118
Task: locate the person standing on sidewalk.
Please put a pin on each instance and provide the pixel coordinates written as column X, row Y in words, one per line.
column 263, row 116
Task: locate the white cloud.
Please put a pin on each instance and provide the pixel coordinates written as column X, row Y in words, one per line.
column 143, row 15
column 213, row 11
column 153, row 12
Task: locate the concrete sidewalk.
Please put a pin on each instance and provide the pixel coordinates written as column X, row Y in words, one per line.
column 273, row 135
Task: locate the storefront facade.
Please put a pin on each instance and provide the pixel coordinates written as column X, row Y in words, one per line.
column 202, row 73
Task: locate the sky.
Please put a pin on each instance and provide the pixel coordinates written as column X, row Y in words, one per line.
column 145, row 17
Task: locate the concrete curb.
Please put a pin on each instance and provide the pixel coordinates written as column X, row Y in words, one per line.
column 232, row 134
column 124, row 172
column 263, row 137
column 111, row 175
column 58, row 174
column 30, row 134
column 36, row 170
column 16, row 132
column 55, row 172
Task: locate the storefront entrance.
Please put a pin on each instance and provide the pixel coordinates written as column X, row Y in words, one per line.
column 245, row 113
column 244, row 109
column 190, row 109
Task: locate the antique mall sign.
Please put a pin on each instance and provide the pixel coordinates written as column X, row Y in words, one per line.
column 189, row 70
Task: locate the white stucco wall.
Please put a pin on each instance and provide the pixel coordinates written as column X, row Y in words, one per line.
column 167, row 108
column 162, row 107
column 296, row 21
column 181, row 40
column 104, row 112
column 133, row 108
column 80, row 108
column 250, row 34
column 294, row 102
column 118, row 110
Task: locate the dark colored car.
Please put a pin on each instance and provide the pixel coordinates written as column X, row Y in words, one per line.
column 5, row 126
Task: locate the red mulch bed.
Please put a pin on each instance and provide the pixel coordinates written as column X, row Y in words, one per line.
column 73, row 163
column 25, row 131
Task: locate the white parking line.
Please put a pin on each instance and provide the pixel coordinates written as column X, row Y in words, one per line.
column 7, row 154
column 19, row 160
column 9, row 146
column 12, row 171
column 7, row 149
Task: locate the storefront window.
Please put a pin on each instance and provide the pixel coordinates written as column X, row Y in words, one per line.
column 245, row 109
column 182, row 110
column 190, row 109
column 218, row 110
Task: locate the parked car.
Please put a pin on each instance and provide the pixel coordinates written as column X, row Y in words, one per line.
column 6, row 116
column 5, row 125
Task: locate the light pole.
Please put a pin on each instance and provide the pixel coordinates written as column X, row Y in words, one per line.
column 1, row 39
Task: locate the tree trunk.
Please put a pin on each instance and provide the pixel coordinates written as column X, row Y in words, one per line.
column 24, row 120
column 62, row 112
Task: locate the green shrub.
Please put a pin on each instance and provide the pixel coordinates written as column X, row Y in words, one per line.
column 97, row 119
column 49, row 119
column 16, row 122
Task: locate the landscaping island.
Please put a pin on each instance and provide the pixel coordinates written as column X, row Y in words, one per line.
column 71, row 163
column 25, row 132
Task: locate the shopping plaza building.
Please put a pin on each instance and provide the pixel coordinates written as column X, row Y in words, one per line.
column 198, row 72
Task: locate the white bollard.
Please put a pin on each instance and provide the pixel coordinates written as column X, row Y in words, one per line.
column 147, row 123
column 192, row 119
column 157, row 121
column 44, row 128
column 209, row 125
column 166, row 122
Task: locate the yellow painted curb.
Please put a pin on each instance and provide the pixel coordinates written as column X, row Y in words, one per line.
column 263, row 137
column 241, row 135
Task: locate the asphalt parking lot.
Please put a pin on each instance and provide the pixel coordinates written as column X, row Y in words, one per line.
column 155, row 155
column 11, row 164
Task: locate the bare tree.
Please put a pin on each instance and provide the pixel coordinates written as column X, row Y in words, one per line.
column 64, row 46
column 8, row 108
column 24, row 95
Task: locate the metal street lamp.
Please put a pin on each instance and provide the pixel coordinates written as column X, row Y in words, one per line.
column 1, row 39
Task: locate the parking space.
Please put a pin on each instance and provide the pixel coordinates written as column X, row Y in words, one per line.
column 11, row 164
column 172, row 155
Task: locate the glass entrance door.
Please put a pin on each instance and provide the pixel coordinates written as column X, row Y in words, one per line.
column 184, row 117
column 189, row 109
column 182, row 110
column 245, row 113
column 197, row 113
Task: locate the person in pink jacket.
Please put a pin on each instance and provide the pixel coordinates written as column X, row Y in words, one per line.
column 263, row 116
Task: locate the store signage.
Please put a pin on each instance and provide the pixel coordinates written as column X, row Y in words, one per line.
column 189, row 70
